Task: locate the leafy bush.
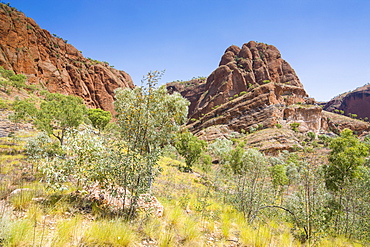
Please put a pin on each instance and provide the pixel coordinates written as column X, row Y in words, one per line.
column 190, row 147
column 295, row 126
column 311, row 135
column 99, row 118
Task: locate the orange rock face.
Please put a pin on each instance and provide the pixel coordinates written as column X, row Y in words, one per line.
column 55, row 64
column 241, row 70
column 252, row 86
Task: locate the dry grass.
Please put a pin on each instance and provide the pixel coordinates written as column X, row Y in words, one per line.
column 194, row 215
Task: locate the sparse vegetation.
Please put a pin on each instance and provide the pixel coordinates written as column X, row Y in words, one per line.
column 295, row 126
column 244, row 197
column 9, row 80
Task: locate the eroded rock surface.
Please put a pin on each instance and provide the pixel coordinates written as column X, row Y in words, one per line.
column 240, row 71
column 354, row 102
column 253, row 89
column 55, row 64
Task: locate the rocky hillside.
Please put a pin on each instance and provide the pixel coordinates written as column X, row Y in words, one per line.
column 252, row 89
column 241, row 70
column 50, row 61
column 252, row 86
column 354, row 102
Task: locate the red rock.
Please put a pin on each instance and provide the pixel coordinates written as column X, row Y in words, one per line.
column 55, row 64
column 354, row 102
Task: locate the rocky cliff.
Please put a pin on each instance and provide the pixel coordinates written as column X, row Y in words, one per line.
column 53, row 63
column 241, row 70
column 354, row 102
column 252, row 85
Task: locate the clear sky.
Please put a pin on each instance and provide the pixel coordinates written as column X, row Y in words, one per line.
column 327, row 42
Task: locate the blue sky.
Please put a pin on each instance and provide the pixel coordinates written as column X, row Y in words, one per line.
column 327, row 42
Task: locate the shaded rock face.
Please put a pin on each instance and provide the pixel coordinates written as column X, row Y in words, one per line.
column 50, row 61
column 355, row 102
column 191, row 90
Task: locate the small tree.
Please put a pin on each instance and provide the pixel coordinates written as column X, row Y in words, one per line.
column 148, row 119
column 99, row 118
column 23, row 110
column 346, row 159
column 56, row 115
column 251, row 182
column 347, row 154
column 189, row 147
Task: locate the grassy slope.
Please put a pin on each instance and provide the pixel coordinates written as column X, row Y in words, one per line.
column 195, row 214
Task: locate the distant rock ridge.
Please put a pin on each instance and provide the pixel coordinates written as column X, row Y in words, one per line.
column 354, row 102
column 50, row 61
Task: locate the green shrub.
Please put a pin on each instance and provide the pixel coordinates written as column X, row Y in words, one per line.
column 295, row 126
column 311, row 135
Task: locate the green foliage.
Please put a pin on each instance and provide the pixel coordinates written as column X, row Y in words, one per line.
column 124, row 165
column 279, row 126
column 18, row 81
column 308, row 203
column 99, row 118
column 57, row 114
column 295, row 126
column 42, row 146
column 24, row 110
column 347, row 154
column 9, row 79
column 235, row 159
column 311, row 135
column 325, row 139
column 190, row 147
column 251, row 181
column 344, row 178
column 220, row 149
column 279, row 175
column 206, row 162
column 148, row 119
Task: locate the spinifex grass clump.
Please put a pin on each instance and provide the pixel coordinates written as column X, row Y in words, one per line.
column 109, row 233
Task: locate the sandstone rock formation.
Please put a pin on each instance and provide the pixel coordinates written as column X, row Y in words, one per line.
column 252, row 85
column 252, row 89
column 240, row 71
column 53, row 63
column 355, row 102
